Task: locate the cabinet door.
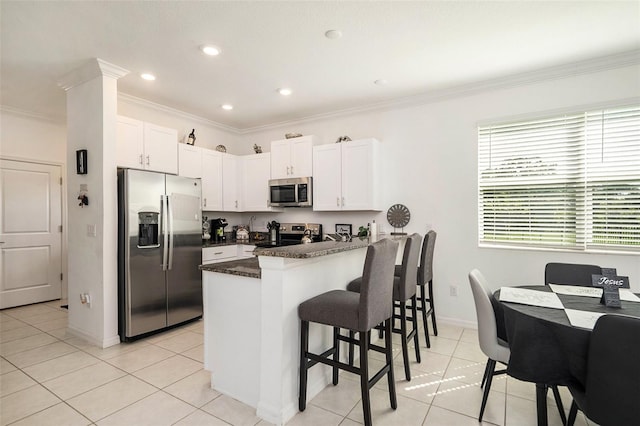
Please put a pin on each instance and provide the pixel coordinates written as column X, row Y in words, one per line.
column 301, row 151
column 211, row 180
column 359, row 175
column 326, row 177
column 255, row 182
column 189, row 161
column 230, row 198
column 160, row 148
column 280, row 159
column 129, row 143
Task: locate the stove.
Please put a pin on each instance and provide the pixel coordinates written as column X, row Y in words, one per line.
column 291, row 234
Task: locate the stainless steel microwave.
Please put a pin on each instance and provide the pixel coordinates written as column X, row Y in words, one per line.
column 295, row 192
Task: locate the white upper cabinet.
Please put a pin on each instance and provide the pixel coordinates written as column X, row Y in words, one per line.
column 146, row 146
column 189, row 161
column 211, row 180
column 230, row 184
column 255, row 182
column 292, row 157
column 346, row 176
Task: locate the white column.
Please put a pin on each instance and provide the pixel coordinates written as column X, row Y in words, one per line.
column 92, row 258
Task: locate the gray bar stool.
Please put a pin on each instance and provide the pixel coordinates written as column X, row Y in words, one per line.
column 404, row 289
column 357, row 313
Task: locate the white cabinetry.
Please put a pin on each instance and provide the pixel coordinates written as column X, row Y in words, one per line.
column 211, row 180
column 292, row 157
column 189, row 161
column 245, row 250
column 219, row 254
column 230, row 184
column 146, row 146
column 255, row 182
column 346, row 176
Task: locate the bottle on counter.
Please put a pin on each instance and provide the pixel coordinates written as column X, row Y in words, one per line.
column 373, row 229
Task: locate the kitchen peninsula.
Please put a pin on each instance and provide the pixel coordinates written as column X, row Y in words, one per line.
column 251, row 325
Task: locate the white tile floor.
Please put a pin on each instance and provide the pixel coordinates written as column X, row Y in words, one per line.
column 48, row 377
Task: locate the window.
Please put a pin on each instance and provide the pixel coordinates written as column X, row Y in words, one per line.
column 568, row 182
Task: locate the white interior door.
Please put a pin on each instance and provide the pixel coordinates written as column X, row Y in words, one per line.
column 30, row 233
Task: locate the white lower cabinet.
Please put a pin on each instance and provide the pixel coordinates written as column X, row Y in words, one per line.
column 245, row 250
column 346, row 176
column 219, row 254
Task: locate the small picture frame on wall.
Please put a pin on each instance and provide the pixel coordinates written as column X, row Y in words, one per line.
column 81, row 161
column 344, row 228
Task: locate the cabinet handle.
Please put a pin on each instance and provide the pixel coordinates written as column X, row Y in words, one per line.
column 287, row 170
column 147, row 160
column 342, row 201
column 338, row 201
column 236, row 204
column 141, row 160
column 205, row 202
column 291, row 169
column 217, row 253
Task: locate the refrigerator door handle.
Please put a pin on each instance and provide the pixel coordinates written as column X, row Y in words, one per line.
column 171, row 236
column 165, row 231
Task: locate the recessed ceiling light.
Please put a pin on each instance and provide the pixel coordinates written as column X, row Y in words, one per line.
column 333, row 34
column 147, row 76
column 227, row 107
column 381, row 82
column 284, row 91
column 210, row 50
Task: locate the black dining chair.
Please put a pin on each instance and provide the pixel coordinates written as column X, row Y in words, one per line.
column 570, row 274
column 356, row 312
column 611, row 395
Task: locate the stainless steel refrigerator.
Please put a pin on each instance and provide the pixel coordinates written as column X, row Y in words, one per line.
column 159, row 251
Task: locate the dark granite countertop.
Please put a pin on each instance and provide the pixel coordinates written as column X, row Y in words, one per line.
column 305, row 251
column 247, row 267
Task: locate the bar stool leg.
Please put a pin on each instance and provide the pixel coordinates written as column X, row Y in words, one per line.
column 389, row 358
column 414, row 313
column 352, row 336
column 364, row 378
column 304, row 347
column 336, row 353
column 433, row 309
column 423, row 309
column 403, row 335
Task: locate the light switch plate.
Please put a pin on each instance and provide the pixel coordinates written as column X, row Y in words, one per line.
column 91, row 230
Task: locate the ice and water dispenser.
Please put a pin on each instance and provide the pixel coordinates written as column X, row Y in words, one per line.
column 148, row 229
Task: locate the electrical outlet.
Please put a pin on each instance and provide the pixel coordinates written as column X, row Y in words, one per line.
column 453, row 290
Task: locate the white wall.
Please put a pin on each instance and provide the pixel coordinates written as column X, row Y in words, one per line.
column 430, row 154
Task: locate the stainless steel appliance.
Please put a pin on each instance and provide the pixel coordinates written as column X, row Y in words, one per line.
column 293, row 233
column 217, row 230
column 295, row 192
column 159, row 251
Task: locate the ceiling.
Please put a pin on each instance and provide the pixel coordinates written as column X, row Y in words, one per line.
column 419, row 47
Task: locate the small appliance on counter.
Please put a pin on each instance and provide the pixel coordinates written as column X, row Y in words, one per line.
column 205, row 228
column 217, row 230
column 274, row 232
column 242, row 234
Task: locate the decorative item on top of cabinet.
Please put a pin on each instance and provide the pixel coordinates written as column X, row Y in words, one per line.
column 257, row 148
column 191, row 139
column 343, row 139
column 221, row 148
column 292, row 135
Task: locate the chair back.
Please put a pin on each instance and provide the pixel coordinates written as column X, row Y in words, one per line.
column 570, row 273
column 487, row 328
column 376, row 291
column 409, row 270
column 425, row 270
column 613, row 374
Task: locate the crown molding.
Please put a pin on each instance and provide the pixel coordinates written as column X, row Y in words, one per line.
column 33, row 115
column 163, row 108
column 618, row 60
column 94, row 68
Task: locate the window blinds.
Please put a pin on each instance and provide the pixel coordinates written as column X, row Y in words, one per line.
column 571, row 181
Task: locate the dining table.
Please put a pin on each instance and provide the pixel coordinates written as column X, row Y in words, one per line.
column 546, row 349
